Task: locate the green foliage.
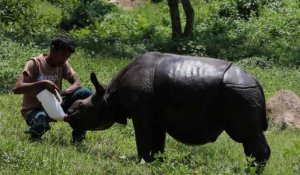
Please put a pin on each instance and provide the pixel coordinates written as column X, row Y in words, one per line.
column 273, row 34
column 65, row 4
column 15, row 17
column 85, row 13
column 12, row 59
column 24, row 20
column 231, row 29
column 246, row 8
column 123, row 34
column 243, row 9
column 273, row 4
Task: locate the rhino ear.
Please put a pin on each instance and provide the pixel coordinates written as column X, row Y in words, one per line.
column 98, row 86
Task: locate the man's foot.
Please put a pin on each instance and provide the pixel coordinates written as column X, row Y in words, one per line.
column 35, row 137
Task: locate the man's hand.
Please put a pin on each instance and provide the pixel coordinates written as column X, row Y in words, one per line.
column 69, row 91
column 65, row 93
column 49, row 85
column 24, row 85
column 74, row 81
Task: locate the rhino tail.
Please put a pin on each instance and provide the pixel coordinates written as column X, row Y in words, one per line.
column 264, row 121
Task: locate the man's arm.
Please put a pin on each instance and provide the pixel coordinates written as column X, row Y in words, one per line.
column 75, row 84
column 24, row 85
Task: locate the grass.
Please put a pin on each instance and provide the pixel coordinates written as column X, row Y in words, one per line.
column 113, row 151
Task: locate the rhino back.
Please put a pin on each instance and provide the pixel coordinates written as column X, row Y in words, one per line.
column 189, row 80
column 238, row 77
column 134, row 84
column 161, row 77
column 133, row 70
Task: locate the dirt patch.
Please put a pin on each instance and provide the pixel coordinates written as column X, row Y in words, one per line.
column 284, row 109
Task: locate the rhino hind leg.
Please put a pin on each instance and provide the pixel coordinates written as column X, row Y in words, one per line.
column 244, row 113
column 259, row 149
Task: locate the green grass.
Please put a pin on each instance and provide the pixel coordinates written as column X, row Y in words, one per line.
column 114, row 152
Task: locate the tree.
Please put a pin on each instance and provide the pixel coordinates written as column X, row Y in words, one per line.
column 175, row 18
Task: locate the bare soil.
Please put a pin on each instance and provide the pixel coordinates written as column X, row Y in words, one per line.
column 284, row 109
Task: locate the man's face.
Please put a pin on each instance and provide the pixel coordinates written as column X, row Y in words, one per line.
column 60, row 57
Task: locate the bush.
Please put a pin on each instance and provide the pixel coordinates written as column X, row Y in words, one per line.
column 12, row 59
column 15, row 17
column 85, row 13
column 24, row 20
column 243, row 9
column 231, row 29
column 272, row 35
column 121, row 34
column 247, row 8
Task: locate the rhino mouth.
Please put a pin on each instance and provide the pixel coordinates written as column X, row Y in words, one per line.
column 70, row 118
column 77, row 122
column 73, row 115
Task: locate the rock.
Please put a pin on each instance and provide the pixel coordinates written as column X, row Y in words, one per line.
column 284, row 109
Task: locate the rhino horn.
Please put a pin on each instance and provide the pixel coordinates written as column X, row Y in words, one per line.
column 100, row 89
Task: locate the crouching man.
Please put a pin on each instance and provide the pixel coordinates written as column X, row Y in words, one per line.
column 47, row 71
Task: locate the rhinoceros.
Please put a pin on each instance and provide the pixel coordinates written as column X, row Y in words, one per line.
column 193, row 99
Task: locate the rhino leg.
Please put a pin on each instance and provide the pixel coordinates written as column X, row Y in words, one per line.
column 260, row 150
column 150, row 139
column 245, row 122
column 143, row 137
column 158, row 141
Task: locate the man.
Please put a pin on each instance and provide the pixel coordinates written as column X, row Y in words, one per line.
column 46, row 71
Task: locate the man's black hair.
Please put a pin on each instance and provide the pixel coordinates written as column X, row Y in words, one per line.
column 63, row 42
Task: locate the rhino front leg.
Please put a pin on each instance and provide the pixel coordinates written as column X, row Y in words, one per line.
column 143, row 138
column 150, row 140
column 158, row 140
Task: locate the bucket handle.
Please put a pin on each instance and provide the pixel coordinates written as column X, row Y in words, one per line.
column 58, row 97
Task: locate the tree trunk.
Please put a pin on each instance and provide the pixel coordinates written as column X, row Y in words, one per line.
column 175, row 18
column 190, row 14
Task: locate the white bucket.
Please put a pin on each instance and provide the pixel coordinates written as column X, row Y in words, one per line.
column 52, row 104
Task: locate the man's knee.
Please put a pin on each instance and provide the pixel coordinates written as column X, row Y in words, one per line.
column 38, row 123
column 82, row 93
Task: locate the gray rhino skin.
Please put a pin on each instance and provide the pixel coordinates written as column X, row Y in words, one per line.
column 192, row 99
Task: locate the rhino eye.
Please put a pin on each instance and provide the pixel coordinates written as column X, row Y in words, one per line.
column 79, row 105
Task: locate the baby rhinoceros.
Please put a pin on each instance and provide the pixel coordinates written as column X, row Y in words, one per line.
column 193, row 99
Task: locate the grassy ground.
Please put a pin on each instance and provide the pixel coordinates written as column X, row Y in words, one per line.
column 113, row 151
